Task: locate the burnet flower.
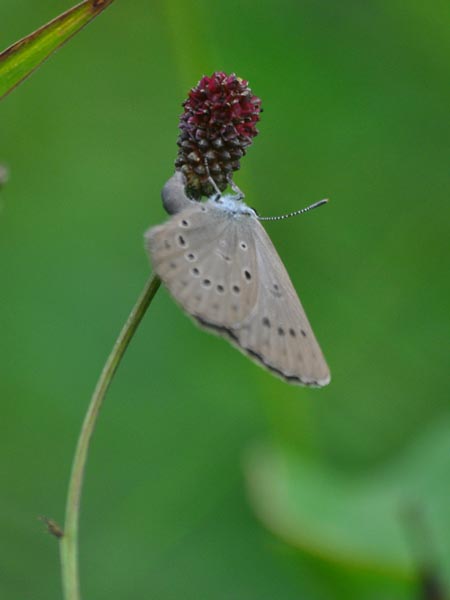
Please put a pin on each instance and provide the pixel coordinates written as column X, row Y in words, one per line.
column 218, row 124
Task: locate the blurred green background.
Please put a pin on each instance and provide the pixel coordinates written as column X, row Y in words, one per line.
column 208, row 477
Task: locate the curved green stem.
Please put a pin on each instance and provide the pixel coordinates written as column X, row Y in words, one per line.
column 69, row 541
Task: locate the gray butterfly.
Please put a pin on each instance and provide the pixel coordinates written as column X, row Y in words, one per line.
column 219, row 264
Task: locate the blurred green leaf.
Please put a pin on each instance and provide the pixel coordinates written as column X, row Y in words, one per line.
column 19, row 60
column 395, row 518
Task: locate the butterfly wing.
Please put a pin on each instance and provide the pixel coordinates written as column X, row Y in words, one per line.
column 277, row 333
column 208, row 265
column 225, row 272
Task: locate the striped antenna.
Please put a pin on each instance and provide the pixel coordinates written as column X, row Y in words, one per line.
column 295, row 213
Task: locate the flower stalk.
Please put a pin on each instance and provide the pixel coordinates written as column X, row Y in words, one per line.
column 69, row 540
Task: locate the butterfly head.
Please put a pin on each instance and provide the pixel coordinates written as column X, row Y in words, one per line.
column 233, row 204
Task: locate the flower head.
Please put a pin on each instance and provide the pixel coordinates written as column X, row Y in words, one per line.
column 217, row 126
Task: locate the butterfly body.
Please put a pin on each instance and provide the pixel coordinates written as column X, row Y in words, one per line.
column 219, row 264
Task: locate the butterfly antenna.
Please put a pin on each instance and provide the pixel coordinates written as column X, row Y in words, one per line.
column 295, row 213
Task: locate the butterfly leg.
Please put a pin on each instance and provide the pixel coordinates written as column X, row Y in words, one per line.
column 240, row 194
column 218, row 193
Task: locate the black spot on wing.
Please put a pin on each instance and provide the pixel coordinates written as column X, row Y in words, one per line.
column 230, row 334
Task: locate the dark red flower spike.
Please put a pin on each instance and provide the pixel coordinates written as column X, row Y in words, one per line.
column 218, row 124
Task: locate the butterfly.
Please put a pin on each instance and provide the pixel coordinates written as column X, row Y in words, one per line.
column 220, row 266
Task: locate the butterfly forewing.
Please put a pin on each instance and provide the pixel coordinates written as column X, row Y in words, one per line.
column 207, row 263
column 224, row 271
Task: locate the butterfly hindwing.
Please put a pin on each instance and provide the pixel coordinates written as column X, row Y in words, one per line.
column 278, row 333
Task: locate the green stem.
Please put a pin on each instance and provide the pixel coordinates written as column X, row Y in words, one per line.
column 69, row 541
